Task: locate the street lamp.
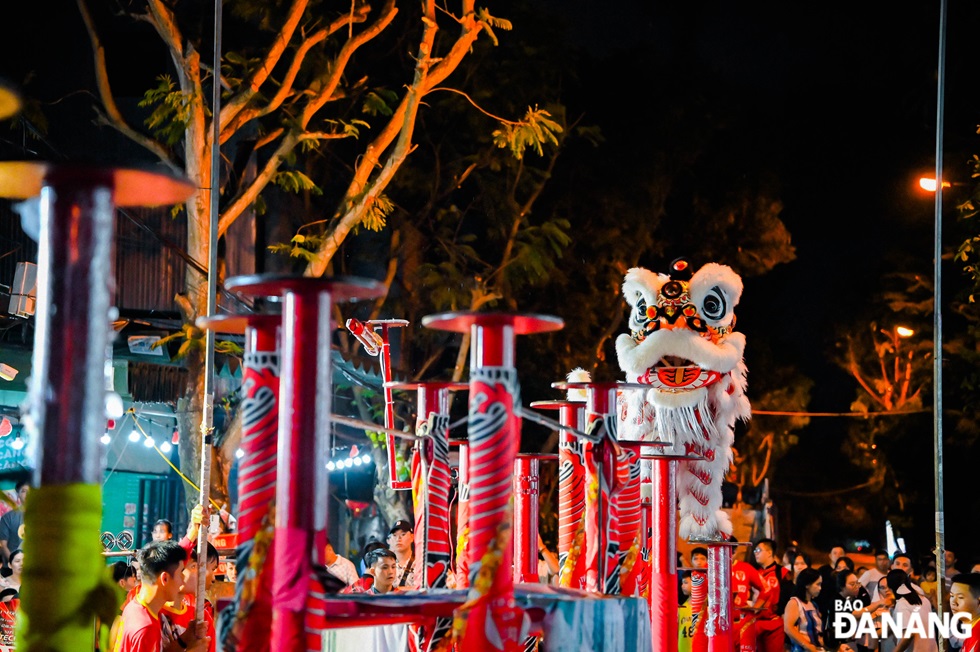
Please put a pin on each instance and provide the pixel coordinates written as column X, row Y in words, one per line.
column 903, row 331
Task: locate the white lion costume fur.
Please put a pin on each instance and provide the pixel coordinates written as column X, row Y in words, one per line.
column 682, row 344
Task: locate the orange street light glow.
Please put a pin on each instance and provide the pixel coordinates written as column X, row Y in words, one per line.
column 904, row 332
column 928, row 183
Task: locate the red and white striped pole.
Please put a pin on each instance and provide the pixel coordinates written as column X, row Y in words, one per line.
column 571, row 492
column 490, row 619
column 304, row 431
column 257, row 467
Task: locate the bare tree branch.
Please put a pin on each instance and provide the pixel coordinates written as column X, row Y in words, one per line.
column 112, row 116
column 261, row 74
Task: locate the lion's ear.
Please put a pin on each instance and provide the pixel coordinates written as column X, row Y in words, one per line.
column 641, row 282
column 715, row 290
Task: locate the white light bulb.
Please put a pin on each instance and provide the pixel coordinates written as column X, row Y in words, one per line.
column 105, row 439
column 331, row 466
column 114, row 405
column 348, row 462
column 17, row 444
column 358, row 461
column 239, row 453
column 148, row 442
column 165, row 447
column 134, row 435
column 366, row 458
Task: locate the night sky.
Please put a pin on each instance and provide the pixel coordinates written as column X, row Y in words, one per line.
column 843, row 106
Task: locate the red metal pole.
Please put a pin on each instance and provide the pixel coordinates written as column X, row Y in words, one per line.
column 526, row 509
column 463, row 519
column 491, row 620
column 718, row 626
column 602, row 522
column 571, row 492
column 256, row 469
column 304, row 425
column 663, row 557
column 66, row 402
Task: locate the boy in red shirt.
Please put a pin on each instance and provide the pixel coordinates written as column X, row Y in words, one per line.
column 177, row 617
column 964, row 598
column 162, row 563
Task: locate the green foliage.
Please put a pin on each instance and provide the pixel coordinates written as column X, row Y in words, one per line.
column 192, row 338
column 295, row 181
column 489, row 22
column 301, row 246
column 376, row 214
column 536, row 130
column 170, row 110
column 379, row 102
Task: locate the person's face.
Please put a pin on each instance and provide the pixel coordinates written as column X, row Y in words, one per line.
column 836, row 553
column 400, row 541
column 882, row 562
column 902, row 563
column 763, row 554
column 699, row 561
column 17, row 564
column 950, row 558
column 840, row 566
column 799, row 564
column 329, row 555
column 813, row 590
column 686, row 586
column 212, row 569
column 22, row 493
column 172, row 585
column 128, row 583
column 189, row 577
column 161, row 533
column 962, row 601
column 885, row 593
column 852, row 586
column 385, row 571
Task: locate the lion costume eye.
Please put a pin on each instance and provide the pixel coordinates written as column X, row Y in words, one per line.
column 714, row 305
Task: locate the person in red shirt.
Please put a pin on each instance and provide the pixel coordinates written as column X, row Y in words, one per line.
column 769, row 632
column 749, row 595
column 163, row 564
column 177, row 617
column 964, row 598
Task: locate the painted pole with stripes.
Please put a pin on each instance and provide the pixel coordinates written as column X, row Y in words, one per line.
column 66, row 403
column 256, row 477
column 490, row 619
column 303, row 443
column 571, row 492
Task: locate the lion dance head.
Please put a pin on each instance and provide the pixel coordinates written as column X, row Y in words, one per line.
column 682, row 343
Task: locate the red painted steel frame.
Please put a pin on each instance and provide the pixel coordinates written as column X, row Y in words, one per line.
column 257, row 467
column 304, row 421
column 492, row 619
column 663, row 556
column 571, row 485
column 718, row 626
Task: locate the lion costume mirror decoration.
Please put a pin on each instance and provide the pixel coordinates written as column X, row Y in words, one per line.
column 682, row 343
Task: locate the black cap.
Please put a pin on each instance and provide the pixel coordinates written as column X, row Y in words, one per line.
column 403, row 525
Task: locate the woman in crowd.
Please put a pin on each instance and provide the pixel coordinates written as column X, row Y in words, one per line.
column 801, row 620
column 908, row 602
column 12, row 575
column 800, row 562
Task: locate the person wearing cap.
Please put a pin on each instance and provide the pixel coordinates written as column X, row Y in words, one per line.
column 401, row 541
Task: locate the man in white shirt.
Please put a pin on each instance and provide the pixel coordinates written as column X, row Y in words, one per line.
column 869, row 579
column 340, row 567
column 401, row 541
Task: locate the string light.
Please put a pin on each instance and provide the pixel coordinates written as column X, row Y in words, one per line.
column 18, row 443
column 105, row 439
column 165, row 447
column 148, row 442
column 239, row 453
column 135, row 435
